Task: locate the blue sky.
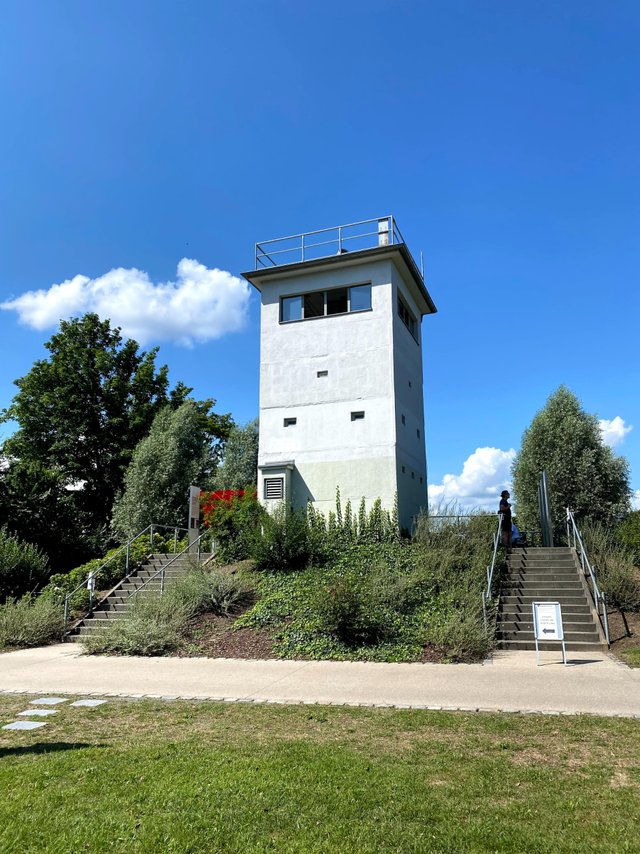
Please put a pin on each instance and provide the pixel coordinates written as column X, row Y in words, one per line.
column 503, row 136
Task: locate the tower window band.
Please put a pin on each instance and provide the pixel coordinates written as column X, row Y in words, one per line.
column 325, row 303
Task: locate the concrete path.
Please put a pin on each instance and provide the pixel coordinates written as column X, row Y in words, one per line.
column 590, row 684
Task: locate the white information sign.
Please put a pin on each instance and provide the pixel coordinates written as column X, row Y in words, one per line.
column 547, row 625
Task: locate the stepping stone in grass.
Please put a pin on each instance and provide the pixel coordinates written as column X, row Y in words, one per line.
column 50, row 701
column 41, row 713
column 25, row 725
column 90, row 703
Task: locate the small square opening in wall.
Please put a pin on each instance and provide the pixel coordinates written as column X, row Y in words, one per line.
column 357, row 416
column 418, row 432
column 403, row 469
column 323, row 373
column 290, row 422
column 404, row 421
column 274, row 488
column 409, row 383
column 413, row 475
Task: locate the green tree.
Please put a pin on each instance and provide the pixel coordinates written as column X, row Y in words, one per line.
column 240, row 462
column 23, row 567
column 582, row 472
column 176, row 453
column 629, row 533
column 80, row 414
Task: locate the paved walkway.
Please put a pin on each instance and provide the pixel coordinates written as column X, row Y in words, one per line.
column 511, row 681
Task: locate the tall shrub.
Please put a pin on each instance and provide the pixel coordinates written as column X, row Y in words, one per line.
column 23, row 567
column 582, row 472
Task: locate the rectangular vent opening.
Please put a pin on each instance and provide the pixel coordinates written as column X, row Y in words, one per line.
column 357, row 416
column 289, row 422
column 274, row 488
column 323, row 373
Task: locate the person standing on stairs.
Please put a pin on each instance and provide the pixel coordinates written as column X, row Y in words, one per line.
column 505, row 509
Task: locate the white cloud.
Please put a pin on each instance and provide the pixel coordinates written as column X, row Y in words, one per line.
column 484, row 475
column 613, row 431
column 202, row 304
column 635, row 500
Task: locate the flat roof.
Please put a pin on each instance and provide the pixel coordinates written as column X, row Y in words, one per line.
column 398, row 251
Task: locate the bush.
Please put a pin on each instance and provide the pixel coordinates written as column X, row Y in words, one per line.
column 628, row 534
column 23, row 567
column 134, row 636
column 285, row 542
column 350, row 610
column 234, row 523
column 30, row 622
column 460, row 637
column 155, row 624
column 614, row 566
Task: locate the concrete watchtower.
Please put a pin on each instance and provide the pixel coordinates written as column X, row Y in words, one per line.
column 341, row 401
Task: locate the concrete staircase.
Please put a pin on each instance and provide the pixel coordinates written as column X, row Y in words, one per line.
column 116, row 605
column 549, row 575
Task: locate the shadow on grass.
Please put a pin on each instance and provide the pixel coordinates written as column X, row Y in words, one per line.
column 45, row 747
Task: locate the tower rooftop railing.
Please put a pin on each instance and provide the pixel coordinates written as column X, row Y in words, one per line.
column 338, row 240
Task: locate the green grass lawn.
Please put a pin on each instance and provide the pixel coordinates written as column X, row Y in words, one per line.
column 190, row 777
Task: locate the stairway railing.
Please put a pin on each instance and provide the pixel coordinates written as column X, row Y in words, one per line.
column 487, row 593
column 163, row 569
column 575, row 541
column 89, row 581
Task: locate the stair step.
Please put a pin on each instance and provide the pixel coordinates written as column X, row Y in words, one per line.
column 554, row 646
column 591, row 636
column 528, row 600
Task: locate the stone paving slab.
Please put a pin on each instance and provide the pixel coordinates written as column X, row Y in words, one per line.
column 25, row 725
column 49, row 701
column 39, row 713
column 592, row 683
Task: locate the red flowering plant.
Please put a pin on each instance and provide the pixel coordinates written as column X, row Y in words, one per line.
column 233, row 517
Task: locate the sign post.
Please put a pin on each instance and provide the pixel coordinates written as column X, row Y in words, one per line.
column 194, row 514
column 547, row 626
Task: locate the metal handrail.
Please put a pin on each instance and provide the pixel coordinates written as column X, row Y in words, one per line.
column 575, row 541
column 164, row 567
column 263, row 257
column 87, row 582
column 486, row 594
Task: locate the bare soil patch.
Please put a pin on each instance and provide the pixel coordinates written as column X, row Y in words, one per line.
column 621, row 642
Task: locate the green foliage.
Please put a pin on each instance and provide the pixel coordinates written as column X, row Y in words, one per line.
column 80, row 414
column 134, row 636
column 30, row 622
column 614, row 566
column 176, row 453
column 381, row 601
column 628, row 534
column 459, row 636
column 582, row 472
column 155, row 624
column 240, row 461
column 235, row 525
column 23, row 567
column 285, row 541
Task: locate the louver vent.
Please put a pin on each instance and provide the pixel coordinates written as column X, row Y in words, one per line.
column 274, row 488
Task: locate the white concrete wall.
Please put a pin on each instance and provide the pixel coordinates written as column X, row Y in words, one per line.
column 408, row 391
column 370, row 357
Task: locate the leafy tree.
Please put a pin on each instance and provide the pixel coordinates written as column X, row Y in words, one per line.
column 240, row 462
column 176, row 453
column 582, row 472
column 37, row 506
column 23, row 567
column 629, row 533
column 80, row 414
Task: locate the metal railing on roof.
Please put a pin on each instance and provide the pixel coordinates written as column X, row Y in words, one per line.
column 338, row 240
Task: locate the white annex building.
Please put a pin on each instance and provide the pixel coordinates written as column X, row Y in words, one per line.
column 341, row 401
